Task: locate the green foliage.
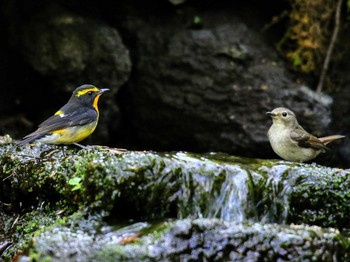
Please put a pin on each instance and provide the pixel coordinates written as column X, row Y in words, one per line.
column 197, row 20
column 75, row 182
column 307, row 38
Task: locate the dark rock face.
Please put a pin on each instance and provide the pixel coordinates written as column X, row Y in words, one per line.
column 190, row 77
column 70, row 50
column 341, row 111
column 208, row 89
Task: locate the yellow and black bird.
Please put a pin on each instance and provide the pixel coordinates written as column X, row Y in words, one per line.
column 75, row 121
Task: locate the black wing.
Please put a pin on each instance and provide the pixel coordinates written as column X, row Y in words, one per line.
column 80, row 116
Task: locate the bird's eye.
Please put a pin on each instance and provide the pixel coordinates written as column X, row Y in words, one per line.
column 89, row 93
column 284, row 114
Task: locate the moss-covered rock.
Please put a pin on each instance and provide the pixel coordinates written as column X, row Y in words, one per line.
column 190, row 240
column 153, row 185
column 320, row 196
column 44, row 185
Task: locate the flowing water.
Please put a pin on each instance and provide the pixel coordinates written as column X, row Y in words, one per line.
column 233, row 192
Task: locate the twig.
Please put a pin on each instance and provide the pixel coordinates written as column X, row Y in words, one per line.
column 330, row 47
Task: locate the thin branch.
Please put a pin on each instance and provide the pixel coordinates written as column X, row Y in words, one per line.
column 330, row 47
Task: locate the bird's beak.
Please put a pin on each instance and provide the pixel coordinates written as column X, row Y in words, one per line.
column 102, row 90
column 271, row 114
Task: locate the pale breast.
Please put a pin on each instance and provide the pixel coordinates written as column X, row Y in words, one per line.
column 288, row 149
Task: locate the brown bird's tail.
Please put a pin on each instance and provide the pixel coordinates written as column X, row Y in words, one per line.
column 327, row 139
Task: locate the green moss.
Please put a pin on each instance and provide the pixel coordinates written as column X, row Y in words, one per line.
column 25, row 229
column 322, row 198
column 152, row 185
column 72, row 191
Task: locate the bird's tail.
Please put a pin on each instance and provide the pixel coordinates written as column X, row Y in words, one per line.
column 29, row 138
column 327, row 139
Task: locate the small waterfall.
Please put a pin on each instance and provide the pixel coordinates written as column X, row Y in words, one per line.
column 233, row 192
column 276, row 195
column 231, row 201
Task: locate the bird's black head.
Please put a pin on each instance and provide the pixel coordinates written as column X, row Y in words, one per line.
column 87, row 95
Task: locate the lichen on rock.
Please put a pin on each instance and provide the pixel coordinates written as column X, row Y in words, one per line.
column 50, row 188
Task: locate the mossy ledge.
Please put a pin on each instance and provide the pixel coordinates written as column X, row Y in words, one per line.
column 189, row 240
column 42, row 184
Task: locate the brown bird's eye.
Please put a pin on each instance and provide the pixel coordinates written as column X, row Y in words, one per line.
column 284, row 114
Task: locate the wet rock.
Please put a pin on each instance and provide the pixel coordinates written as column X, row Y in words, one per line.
column 49, row 184
column 247, row 242
column 150, row 185
column 187, row 240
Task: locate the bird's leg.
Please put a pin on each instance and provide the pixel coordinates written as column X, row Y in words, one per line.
column 79, row 145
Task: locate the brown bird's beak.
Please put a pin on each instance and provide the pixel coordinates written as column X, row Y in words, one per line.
column 103, row 90
column 271, row 114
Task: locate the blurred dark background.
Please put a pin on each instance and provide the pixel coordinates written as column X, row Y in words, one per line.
column 184, row 75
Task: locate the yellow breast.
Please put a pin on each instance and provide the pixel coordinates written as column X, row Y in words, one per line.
column 70, row 134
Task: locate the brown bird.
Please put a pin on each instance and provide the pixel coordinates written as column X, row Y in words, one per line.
column 290, row 141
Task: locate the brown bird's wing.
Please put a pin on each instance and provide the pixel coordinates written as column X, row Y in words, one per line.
column 304, row 139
